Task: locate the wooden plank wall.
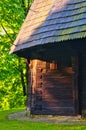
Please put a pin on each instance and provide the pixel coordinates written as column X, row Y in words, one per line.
column 52, row 93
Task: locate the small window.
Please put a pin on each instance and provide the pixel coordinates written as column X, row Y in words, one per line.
column 53, row 65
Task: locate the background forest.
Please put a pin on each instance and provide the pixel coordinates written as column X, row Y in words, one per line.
column 13, row 81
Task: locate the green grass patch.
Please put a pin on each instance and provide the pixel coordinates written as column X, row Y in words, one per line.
column 6, row 124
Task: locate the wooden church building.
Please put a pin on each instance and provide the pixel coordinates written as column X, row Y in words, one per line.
column 53, row 40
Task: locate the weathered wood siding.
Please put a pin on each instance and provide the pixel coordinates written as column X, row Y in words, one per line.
column 52, row 92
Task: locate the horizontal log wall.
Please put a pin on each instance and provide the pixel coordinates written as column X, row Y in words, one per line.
column 52, row 92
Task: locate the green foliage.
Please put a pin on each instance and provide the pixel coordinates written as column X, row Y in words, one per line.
column 11, row 94
column 12, row 15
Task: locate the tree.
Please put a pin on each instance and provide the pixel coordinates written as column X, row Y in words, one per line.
column 12, row 68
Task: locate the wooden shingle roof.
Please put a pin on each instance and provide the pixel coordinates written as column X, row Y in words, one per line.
column 51, row 21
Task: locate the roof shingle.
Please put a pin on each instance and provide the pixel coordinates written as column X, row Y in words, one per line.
column 50, row 21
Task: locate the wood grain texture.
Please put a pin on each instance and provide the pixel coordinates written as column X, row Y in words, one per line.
column 53, row 92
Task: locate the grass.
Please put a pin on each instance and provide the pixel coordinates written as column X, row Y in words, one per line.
column 6, row 124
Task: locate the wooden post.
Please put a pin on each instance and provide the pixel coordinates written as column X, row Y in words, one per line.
column 75, row 83
column 28, row 88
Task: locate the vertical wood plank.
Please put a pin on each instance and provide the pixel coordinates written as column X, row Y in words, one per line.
column 75, row 83
column 28, row 88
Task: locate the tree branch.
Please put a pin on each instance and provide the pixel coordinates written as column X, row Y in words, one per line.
column 7, row 33
column 24, row 84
